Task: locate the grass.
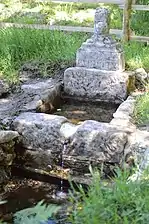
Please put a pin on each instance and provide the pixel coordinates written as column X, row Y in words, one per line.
column 136, row 55
column 141, row 112
column 18, row 46
column 121, row 203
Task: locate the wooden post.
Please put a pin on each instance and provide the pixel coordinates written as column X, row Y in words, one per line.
column 126, row 19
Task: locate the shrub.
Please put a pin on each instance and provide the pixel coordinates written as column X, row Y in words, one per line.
column 118, row 203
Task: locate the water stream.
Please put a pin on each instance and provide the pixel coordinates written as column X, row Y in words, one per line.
column 62, row 194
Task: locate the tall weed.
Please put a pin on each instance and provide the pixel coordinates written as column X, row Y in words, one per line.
column 120, row 203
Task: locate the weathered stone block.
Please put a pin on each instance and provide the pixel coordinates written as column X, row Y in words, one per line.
column 3, row 88
column 102, row 53
column 40, row 131
column 8, row 140
column 37, row 88
column 107, row 86
column 95, row 142
column 8, row 136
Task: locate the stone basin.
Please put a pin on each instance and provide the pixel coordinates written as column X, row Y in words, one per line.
column 77, row 110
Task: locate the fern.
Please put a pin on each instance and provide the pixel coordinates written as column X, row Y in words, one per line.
column 36, row 215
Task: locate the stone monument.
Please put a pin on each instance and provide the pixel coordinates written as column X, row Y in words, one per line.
column 99, row 71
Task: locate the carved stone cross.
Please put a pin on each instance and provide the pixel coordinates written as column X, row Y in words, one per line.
column 101, row 22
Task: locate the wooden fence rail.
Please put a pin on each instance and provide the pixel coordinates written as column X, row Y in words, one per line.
column 118, row 33
column 125, row 34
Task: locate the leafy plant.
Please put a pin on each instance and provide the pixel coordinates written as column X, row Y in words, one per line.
column 36, row 215
column 141, row 112
column 120, row 202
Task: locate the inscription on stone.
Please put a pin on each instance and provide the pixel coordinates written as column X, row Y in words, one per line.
column 99, row 65
column 101, row 51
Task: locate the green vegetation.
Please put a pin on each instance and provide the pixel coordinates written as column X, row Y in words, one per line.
column 76, row 14
column 36, row 215
column 136, row 55
column 53, row 49
column 141, row 112
column 18, row 46
column 121, row 203
column 39, row 214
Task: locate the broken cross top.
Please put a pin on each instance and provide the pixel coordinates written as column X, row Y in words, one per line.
column 101, row 22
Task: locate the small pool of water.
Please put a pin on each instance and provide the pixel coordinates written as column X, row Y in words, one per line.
column 25, row 193
column 79, row 110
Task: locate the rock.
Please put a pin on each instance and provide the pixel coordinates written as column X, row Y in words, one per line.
column 138, row 148
column 68, row 129
column 37, row 87
column 3, row 88
column 99, row 66
column 94, row 142
column 39, row 159
column 103, row 55
column 46, row 136
column 102, row 18
column 93, row 137
column 7, row 136
column 125, row 110
column 125, row 124
column 46, row 95
column 40, row 131
column 101, row 51
column 27, row 99
column 141, row 79
column 123, row 116
column 8, row 140
column 50, row 100
column 106, row 86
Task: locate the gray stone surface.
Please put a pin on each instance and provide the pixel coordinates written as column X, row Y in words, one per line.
column 8, row 140
column 123, row 115
column 28, row 98
column 141, row 79
column 125, row 110
column 103, row 54
column 39, row 159
column 106, row 86
column 101, row 24
column 93, row 138
column 139, row 148
column 3, row 88
column 90, row 142
column 93, row 142
column 99, row 66
column 7, row 136
column 101, row 51
column 37, row 87
column 40, row 131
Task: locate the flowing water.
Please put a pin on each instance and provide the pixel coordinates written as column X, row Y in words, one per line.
column 62, row 194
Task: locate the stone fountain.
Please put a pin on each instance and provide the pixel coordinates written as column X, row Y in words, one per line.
column 99, row 76
column 99, row 72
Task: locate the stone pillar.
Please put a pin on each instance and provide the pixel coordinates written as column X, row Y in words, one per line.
column 99, row 66
column 101, row 22
column 101, row 51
